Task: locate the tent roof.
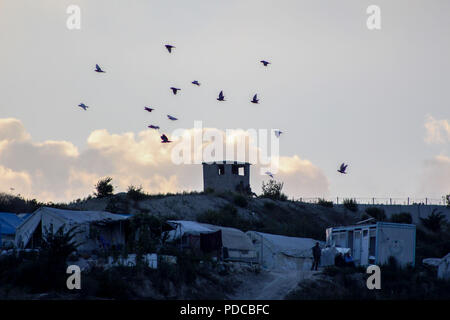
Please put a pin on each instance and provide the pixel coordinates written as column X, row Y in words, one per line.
column 290, row 246
column 9, row 222
column 231, row 238
column 190, row 227
column 78, row 217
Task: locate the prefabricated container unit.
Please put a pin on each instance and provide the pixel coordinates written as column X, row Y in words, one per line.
column 375, row 243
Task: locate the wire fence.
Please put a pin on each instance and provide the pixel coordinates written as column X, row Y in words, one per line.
column 380, row 201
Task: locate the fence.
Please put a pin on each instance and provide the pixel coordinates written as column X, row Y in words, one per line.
column 385, row 201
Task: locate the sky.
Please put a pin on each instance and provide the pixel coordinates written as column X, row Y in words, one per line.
column 375, row 99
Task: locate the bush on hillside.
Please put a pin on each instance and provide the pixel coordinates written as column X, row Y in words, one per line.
column 403, row 217
column 273, row 190
column 376, row 213
column 325, row 203
column 434, row 221
column 350, row 204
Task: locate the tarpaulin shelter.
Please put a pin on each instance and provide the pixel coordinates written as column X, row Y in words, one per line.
column 8, row 224
column 276, row 252
column 236, row 246
column 95, row 229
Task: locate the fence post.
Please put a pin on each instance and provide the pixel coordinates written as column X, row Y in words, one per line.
column 373, row 201
column 337, row 200
column 390, row 201
column 408, row 201
column 426, row 201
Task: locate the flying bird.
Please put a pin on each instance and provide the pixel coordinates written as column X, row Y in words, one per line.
column 221, row 96
column 270, row 174
column 83, row 106
column 148, row 109
column 169, row 47
column 171, row 118
column 255, row 99
column 196, row 83
column 265, row 63
column 174, row 90
column 164, row 139
column 343, row 168
column 278, row 133
column 98, row 69
column 153, row 127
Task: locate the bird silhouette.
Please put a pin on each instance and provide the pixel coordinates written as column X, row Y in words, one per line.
column 196, row 83
column 255, row 99
column 164, row 139
column 148, row 109
column 221, row 96
column 98, row 69
column 342, row 168
column 83, row 106
column 169, row 47
column 265, row 63
column 270, row 174
column 278, row 133
column 174, row 90
column 153, row 127
column 171, row 118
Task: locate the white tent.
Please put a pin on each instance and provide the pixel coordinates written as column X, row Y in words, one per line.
column 93, row 227
column 235, row 242
column 283, row 253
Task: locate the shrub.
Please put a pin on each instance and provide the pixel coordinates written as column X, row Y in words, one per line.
column 403, row 217
column 447, row 200
column 325, row 203
column 136, row 193
column 350, row 204
column 434, row 221
column 376, row 213
column 272, row 190
column 104, row 188
column 240, row 201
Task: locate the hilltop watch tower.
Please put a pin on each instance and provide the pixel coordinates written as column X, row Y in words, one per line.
column 226, row 176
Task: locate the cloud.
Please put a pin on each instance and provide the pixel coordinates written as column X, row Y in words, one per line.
column 435, row 180
column 437, row 131
column 58, row 171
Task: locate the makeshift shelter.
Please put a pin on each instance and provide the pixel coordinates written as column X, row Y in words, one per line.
column 278, row 252
column 8, row 224
column 376, row 242
column 95, row 229
column 229, row 243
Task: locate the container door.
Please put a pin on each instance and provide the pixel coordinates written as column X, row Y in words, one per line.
column 357, row 246
column 365, row 247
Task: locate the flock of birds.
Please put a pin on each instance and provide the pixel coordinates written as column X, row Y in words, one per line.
column 221, row 98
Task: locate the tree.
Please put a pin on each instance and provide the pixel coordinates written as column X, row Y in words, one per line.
column 434, row 221
column 104, row 188
column 447, row 200
column 272, row 190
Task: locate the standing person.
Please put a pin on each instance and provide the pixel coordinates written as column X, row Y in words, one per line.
column 316, row 251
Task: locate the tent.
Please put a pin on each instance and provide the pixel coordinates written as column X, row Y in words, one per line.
column 96, row 229
column 236, row 246
column 278, row 252
column 8, row 224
